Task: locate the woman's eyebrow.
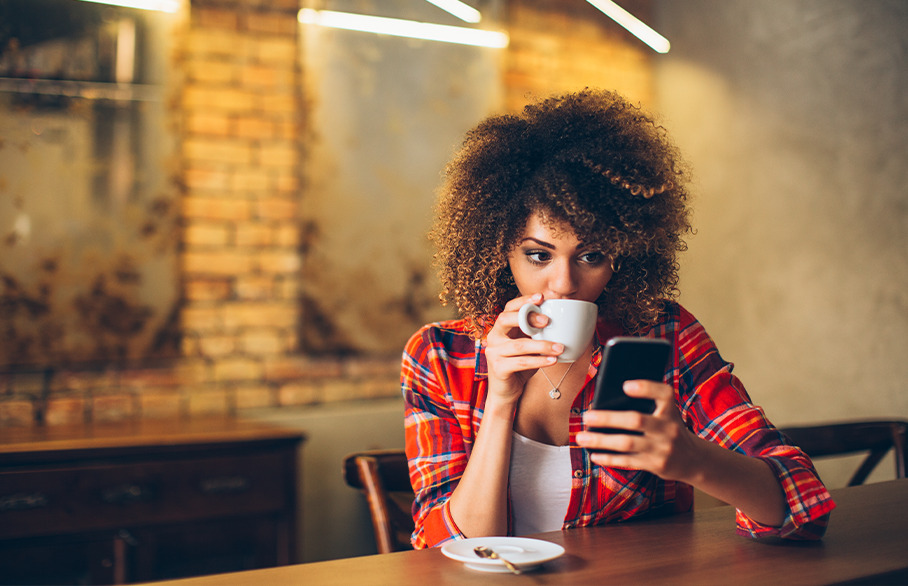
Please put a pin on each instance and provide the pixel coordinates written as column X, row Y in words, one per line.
column 544, row 244
column 539, row 242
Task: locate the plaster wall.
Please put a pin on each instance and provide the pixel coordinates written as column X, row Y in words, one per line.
column 385, row 115
column 794, row 117
column 334, row 519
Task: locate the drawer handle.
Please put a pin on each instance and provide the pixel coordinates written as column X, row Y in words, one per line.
column 125, row 494
column 225, row 485
column 23, row 501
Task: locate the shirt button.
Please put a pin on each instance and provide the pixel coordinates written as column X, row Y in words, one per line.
column 578, row 473
column 576, row 411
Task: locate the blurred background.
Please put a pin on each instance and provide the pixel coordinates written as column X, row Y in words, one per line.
column 219, row 207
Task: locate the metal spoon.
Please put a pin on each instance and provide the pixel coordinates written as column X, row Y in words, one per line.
column 484, row 552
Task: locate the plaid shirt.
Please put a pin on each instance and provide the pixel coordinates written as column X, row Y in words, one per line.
column 444, row 383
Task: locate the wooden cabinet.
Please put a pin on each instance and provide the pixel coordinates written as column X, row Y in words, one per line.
column 149, row 501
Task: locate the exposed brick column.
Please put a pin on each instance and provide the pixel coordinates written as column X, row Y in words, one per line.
column 241, row 110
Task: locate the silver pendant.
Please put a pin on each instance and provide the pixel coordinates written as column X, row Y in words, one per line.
column 555, row 394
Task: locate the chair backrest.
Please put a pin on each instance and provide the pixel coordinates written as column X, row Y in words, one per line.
column 850, row 437
column 383, row 476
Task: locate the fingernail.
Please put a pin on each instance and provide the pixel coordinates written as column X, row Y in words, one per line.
column 631, row 385
column 557, row 347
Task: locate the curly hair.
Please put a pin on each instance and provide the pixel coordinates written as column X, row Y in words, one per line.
column 590, row 160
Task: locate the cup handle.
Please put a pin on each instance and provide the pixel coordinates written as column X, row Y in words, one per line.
column 522, row 315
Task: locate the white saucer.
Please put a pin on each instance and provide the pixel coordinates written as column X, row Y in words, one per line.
column 523, row 552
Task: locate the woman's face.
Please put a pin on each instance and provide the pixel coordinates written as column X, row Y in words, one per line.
column 550, row 260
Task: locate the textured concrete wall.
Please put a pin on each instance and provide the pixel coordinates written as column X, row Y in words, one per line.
column 795, row 118
column 88, row 204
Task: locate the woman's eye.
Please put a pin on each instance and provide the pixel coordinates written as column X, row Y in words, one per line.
column 538, row 256
column 593, row 258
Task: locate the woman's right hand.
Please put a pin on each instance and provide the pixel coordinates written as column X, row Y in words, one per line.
column 511, row 355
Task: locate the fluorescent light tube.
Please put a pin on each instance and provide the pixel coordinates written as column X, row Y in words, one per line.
column 159, row 5
column 464, row 12
column 633, row 24
column 404, row 28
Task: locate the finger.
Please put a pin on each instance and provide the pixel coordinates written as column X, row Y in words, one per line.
column 620, row 461
column 661, row 393
column 505, row 328
column 647, row 389
column 508, row 323
column 629, row 420
column 610, row 443
column 538, row 320
column 529, row 347
column 522, row 354
column 518, row 302
column 524, row 363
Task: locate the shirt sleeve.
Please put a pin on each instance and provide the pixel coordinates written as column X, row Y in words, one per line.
column 716, row 407
column 436, row 448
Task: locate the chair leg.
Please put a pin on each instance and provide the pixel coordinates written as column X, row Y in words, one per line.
column 369, row 477
column 867, row 467
column 901, row 449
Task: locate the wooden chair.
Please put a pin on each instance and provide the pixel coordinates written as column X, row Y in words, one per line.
column 843, row 438
column 383, row 476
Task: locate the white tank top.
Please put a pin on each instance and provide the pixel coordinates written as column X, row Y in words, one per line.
column 540, row 482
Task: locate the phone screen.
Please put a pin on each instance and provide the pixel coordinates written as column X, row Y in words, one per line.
column 629, row 359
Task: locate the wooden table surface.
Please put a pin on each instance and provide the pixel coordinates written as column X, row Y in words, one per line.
column 36, row 444
column 867, row 542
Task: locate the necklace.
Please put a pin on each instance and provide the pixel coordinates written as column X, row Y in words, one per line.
column 555, row 393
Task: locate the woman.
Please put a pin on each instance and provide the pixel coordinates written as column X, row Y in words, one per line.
column 580, row 197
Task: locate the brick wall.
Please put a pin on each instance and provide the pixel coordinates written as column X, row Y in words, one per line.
column 239, row 114
column 240, row 110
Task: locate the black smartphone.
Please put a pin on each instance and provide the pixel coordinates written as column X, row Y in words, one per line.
column 627, row 359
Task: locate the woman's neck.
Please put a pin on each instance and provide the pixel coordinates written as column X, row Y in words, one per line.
column 543, row 418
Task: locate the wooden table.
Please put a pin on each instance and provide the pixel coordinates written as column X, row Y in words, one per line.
column 866, row 543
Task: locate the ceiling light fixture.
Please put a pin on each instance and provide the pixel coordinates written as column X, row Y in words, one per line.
column 404, row 28
column 633, row 24
column 159, row 5
column 463, row 11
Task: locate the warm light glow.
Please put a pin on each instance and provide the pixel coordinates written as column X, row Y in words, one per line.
column 633, row 24
column 404, row 28
column 462, row 11
column 159, row 5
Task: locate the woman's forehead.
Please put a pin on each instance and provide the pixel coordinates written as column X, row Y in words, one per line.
column 542, row 226
column 545, row 226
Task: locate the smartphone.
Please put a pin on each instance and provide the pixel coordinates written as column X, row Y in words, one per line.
column 629, row 359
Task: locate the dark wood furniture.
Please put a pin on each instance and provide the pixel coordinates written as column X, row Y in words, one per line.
column 384, row 479
column 865, row 544
column 107, row 504
column 874, row 437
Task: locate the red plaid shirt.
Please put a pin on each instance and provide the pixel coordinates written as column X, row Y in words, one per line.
column 444, row 382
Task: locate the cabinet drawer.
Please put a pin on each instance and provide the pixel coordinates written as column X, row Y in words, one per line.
column 91, row 497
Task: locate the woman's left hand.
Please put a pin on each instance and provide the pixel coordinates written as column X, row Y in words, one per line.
column 666, row 448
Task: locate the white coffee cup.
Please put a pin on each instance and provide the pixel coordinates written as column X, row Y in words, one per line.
column 571, row 323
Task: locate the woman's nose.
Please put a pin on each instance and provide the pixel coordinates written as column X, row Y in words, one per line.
column 563, row 281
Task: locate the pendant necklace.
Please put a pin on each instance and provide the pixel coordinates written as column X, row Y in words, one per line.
column 555, row 393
